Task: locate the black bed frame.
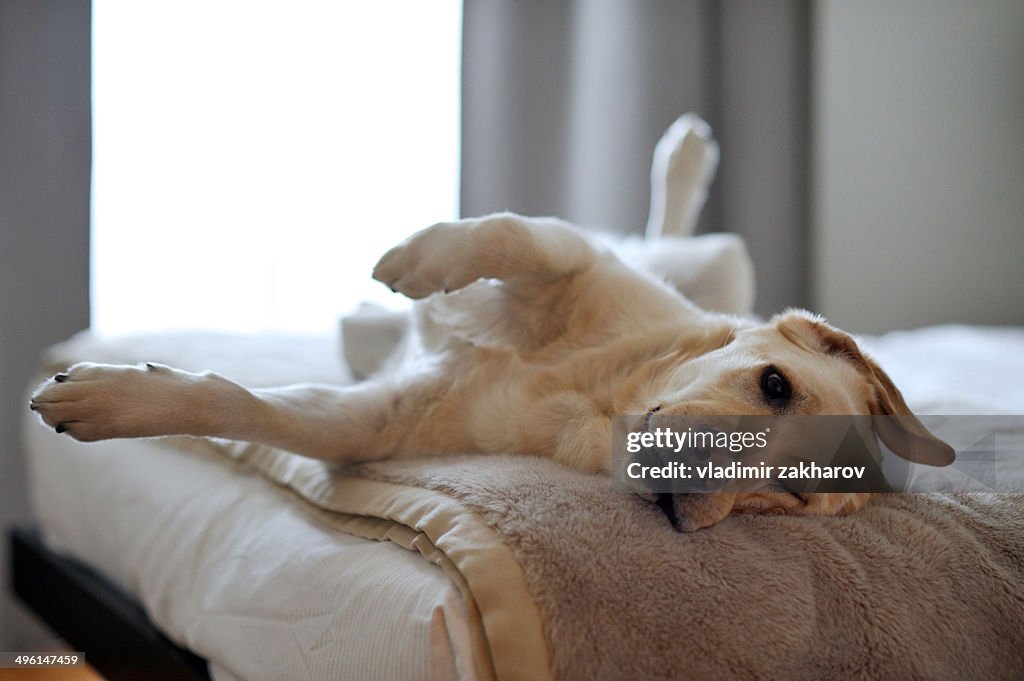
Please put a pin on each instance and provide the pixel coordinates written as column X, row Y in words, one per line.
column 95, row 617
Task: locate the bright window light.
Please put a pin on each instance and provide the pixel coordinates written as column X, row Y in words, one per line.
column 252, row 160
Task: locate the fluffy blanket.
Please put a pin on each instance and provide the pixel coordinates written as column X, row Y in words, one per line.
column 572, row 580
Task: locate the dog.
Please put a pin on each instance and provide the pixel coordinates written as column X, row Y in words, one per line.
column 529, row 336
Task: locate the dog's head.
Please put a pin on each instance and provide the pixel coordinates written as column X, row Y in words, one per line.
column 795, row 364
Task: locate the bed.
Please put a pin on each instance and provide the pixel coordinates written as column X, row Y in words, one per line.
column 267, row 566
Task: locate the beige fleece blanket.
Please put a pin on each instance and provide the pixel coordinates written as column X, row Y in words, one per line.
column 572, row 580
column 568, row 579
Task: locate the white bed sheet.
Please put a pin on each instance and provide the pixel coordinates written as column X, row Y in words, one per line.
column 955, row 369
column 237, row 570
column 232, row 566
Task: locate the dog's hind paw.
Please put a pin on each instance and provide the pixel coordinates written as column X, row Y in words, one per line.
column 684, row 164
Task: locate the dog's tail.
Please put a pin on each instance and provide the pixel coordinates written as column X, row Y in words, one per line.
column 685, row 160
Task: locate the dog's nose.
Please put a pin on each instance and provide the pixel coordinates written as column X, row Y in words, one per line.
column 666, row 502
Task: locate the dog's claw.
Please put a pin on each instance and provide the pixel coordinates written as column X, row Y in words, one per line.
column 60, row 378
column 61, row 427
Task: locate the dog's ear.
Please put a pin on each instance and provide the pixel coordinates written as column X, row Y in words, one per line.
column 898, row 428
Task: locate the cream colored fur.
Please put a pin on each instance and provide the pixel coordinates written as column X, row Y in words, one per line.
column 530, row 335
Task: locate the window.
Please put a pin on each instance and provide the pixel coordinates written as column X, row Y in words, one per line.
column 253, row 159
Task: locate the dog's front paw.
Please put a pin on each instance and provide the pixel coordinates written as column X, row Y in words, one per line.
column 93, row 402
column 437, row 259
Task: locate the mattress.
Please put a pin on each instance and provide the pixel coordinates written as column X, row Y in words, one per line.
column 268, row 588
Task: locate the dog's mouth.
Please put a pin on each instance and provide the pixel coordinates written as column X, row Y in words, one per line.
column 691, row 512
column 687, row 512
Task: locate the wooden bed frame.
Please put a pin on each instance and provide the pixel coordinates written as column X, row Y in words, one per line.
column 95, row 616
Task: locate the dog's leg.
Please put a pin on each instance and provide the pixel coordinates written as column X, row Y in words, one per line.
column 367, row 421
column 714, row 271
column 449, row 256
column 685, row 160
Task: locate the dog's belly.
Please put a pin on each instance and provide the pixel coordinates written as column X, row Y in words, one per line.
column 517, row 407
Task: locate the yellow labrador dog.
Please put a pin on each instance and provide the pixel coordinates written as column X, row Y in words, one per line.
column 530, row 335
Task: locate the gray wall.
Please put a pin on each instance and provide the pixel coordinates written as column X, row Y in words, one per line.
column 919, row 164
column 44, row 224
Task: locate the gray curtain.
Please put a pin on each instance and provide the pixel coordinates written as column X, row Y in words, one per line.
column 45, row 147
column 563, row 103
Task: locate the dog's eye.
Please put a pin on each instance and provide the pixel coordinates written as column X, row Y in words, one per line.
column 774, row 385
